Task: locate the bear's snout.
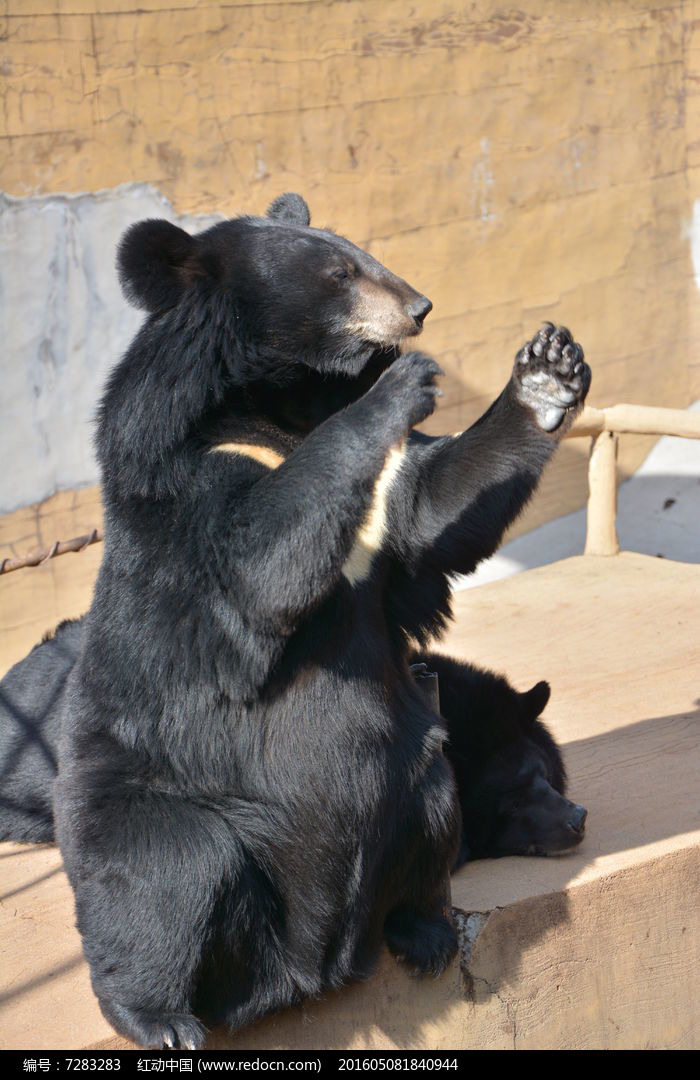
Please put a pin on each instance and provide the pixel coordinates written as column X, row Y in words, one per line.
column 577, row 821
column 418, row 309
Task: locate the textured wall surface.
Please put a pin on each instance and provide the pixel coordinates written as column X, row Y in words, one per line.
column 65, row 322
column 514, row 163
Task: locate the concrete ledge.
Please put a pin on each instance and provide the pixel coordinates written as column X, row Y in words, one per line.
column 598, row 950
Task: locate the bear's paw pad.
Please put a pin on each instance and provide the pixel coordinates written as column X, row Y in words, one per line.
column 551, row 375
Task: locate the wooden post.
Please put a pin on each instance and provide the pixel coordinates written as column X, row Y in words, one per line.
column 601, row 535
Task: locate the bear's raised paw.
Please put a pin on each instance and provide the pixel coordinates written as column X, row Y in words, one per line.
column 551, row 377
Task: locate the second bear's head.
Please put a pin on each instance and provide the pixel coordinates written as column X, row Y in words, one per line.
column 288, row 291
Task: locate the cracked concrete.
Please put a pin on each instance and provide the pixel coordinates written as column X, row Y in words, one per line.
column 469, row 926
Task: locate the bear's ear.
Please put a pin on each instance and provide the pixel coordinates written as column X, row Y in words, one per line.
column 533, row 701
column 156, row 261
column 290, row 208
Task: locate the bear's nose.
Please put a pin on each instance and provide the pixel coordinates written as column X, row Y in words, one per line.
column 578, row 818
column 420, row 307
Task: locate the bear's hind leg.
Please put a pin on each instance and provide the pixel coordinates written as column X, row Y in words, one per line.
column 419, row 930
column 147, row 868
column 425, row 943
column 176, row 1031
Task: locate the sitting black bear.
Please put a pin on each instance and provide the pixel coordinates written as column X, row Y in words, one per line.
column 510, row 775
column 252, row 792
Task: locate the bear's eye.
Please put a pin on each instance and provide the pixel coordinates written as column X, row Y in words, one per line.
column 340, row 273
column 509, row 805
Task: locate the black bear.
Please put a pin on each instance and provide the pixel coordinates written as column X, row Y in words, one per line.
column 510, row 775
column 252, row 793
column 509, row 770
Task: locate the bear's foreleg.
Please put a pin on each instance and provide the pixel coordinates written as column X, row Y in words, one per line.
column 148, row 870
column 425, row 943
column 457, row 495
column 302, row 520
column 419, row 932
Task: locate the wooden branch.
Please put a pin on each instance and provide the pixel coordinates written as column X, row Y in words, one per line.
column 59, row 547
column 637, row 420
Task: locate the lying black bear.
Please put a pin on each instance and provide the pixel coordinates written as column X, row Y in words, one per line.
column 252, row 792
column 509, row 770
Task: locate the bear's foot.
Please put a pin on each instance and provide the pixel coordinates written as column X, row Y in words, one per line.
column 162, row 1031
column 551, row 376
column 426, row 944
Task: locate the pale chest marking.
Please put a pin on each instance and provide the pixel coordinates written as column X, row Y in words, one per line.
column 372, row 532
column 264, row 454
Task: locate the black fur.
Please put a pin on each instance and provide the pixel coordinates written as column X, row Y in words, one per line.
column 509, row 770
column 510, row 775
column 32, row 696
column 251, row 791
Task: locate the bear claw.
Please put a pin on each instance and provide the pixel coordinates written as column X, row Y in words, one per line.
column 167, row 1031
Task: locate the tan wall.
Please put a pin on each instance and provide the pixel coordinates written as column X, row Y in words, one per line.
column 515, row 165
